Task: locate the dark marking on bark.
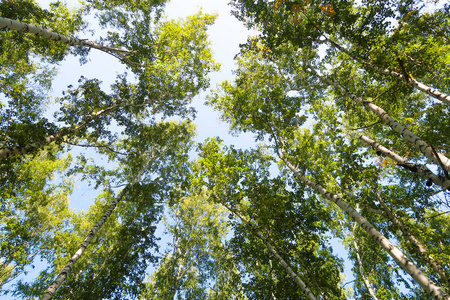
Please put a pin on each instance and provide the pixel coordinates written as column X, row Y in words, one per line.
column 402, row 67
column 410, row 167
column 441, row 164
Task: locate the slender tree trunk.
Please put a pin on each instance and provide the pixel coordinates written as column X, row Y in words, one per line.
column 38, row 30
column 405, row 77
column 8, row 152
column 49, row 293
column 412, row 239
column 407, row 265
column 420, row 170
column 71, row 263
column 427, row 150
column 176, row 254
column 361, row 270
column 285, row 265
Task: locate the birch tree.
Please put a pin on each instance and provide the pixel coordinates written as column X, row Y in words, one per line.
column 274, row 237
column 368, row 33
column 168, row 62
column 165, row 85
column 120, row 226
column 273, row 97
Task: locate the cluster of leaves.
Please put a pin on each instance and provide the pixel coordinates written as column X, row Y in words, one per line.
column 295, row 87
column 320, row 77
column 240, row 180
column 169, row 61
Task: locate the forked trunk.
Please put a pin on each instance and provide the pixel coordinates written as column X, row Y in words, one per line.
column 420, row 170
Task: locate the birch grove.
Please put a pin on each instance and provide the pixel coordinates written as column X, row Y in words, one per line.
column 310, row 102
column 343, row 194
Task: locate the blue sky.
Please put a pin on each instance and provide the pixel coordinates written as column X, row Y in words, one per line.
column 225, row 35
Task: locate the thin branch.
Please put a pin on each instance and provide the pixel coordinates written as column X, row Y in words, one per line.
column 422, row 251
column 95, row 146
column 437, row 215
column 367, row 126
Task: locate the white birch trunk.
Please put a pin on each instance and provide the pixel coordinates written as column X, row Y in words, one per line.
column 49, row 293
column 440, row 159
column 420, row 248
column 361, row 271
column 408, row 80
column 38, row 30
column 272, row 250
column 407, row 265
column 420, row 170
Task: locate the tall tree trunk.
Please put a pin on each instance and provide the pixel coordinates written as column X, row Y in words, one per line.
column 176, row 249
column 407, row 265
column 420, row 170
column 8, row 152
column 272, row 250
column 38, row 30
column 403, row 77
column 361, row 271
column 49, row 293
column 440, row 159
column 412, row 239
column 71, row 263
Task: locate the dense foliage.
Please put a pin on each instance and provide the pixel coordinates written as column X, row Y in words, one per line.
column 349, row 103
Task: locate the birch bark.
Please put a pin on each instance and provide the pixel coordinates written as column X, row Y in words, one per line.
column 438, row 158
column 420, row 170
column 420, row 248
column 407, row 265
column 38, row 30
column 50, row 292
